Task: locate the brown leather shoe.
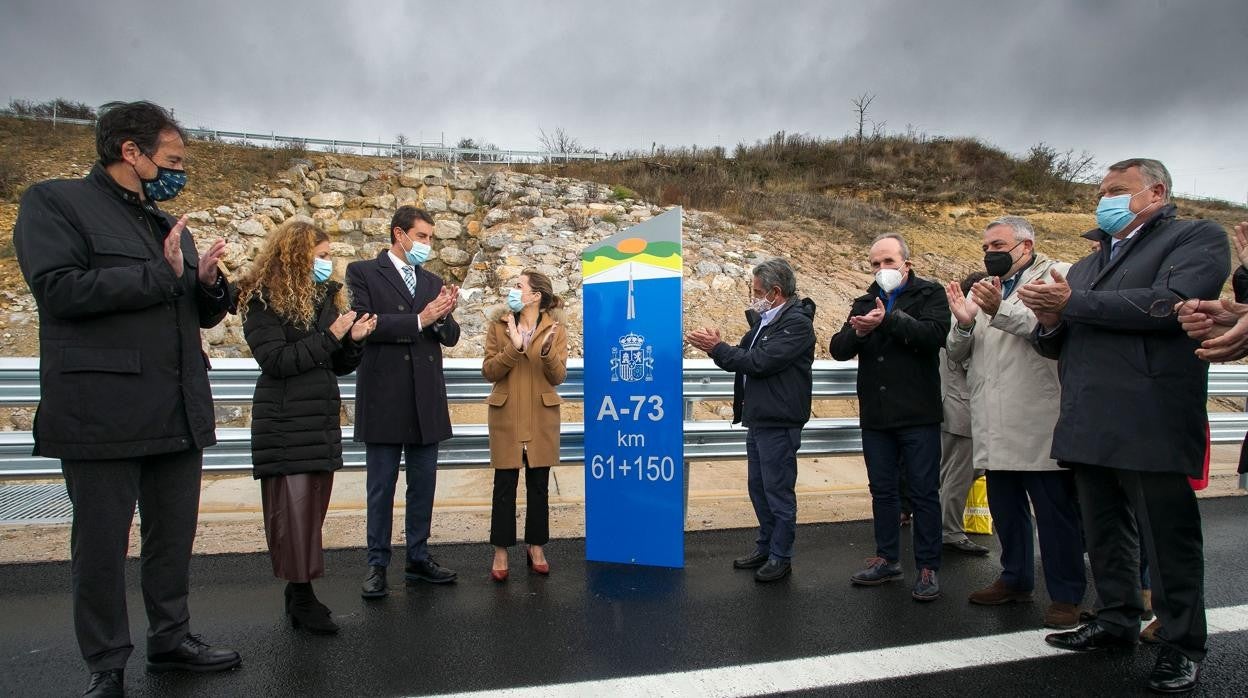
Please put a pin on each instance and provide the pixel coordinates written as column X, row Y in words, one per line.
column 1061, row 616
column 998, row 593
column 1149, row 634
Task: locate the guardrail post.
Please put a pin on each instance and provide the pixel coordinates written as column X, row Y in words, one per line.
column 688, row 416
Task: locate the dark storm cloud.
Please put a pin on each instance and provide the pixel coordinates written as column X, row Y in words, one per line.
column 1115, row 77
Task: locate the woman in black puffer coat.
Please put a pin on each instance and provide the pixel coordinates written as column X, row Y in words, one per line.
column 297, row 324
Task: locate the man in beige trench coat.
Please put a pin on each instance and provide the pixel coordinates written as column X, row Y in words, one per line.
column 1014, row 405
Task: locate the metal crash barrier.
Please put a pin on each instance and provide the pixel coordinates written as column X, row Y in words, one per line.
column 234, row 380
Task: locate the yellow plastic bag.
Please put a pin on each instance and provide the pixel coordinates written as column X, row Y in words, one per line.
column 977, row 518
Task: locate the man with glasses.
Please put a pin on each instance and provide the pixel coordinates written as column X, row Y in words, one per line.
column 771, row 397
column 1132, row 420
column 400, row 404
column 1014, row 404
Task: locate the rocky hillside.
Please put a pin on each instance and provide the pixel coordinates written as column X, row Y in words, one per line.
column 491, row 224
column 488, row 228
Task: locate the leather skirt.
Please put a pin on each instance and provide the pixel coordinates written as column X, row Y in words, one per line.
column 294, row 510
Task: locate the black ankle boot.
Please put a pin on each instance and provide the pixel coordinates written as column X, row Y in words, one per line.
column 307, row 612
column 290, row 594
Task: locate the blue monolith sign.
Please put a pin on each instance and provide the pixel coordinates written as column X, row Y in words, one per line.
column 634, row 416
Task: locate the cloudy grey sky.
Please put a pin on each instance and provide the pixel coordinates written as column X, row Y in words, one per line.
column 1118, row 78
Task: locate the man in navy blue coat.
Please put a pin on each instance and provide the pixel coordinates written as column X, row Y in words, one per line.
column 771, row 397
column 1132, row 421
column 400, row 402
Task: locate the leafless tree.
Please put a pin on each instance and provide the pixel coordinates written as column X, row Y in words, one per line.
column 558, row 141
column 1067, row 166
column 403, row 143
column 861, row 103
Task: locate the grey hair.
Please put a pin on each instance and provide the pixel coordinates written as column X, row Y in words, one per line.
column 1153, row 171
column 777, row 272
column 905, row 249
column 1022, row 229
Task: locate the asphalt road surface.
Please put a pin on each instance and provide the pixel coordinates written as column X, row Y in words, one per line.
column 606, row 629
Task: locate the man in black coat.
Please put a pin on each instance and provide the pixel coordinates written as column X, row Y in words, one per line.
column 1132, row 421
column 124, row 396
column 897, row 330
column 771, row 396
column 400, row 402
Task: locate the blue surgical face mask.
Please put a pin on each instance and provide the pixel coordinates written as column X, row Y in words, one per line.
column 322, row 269
column 418, row 254
column 514, row 301
column 165, row 185
column 1113, row 213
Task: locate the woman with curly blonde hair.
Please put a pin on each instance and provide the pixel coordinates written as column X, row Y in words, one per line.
column 296, row 322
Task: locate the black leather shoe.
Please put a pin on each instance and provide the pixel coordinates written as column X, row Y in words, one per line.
column 375, row 583
column 193, row 655
column 750, row 562
column 1088, row 638
column 968, row 547
column 427, row 570
column 1173, row 673
column 774, row 570
column 107, row 684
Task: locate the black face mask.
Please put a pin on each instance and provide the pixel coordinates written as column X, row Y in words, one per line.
column 999, row 263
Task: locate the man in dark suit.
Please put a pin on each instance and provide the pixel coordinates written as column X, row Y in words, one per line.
column 897, row 331
column 125, row 402
column 1132, row 421
column 400, row 404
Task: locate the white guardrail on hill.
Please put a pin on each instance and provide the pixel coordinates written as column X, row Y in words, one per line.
column 233, row 381
column 415, row 151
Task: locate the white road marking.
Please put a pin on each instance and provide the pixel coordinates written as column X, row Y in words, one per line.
column 835, row 669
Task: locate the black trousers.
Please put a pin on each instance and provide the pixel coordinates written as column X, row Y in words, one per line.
column 536, row 509
column 104, row 493
column 1168, row 530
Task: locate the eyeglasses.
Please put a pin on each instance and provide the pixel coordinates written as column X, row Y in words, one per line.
column 1162, row 307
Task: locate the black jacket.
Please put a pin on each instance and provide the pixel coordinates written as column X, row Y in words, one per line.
column 1133, row 391
column 122, row 373
column 400, row 390
column 898, row 363
column 295, row 423
column 773, row 381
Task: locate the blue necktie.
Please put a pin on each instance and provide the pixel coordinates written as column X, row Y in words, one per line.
column 1115, row 248
column 409, row 276
column 1008, row 286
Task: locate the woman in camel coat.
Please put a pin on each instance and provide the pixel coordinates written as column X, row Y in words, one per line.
column 526, row 356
